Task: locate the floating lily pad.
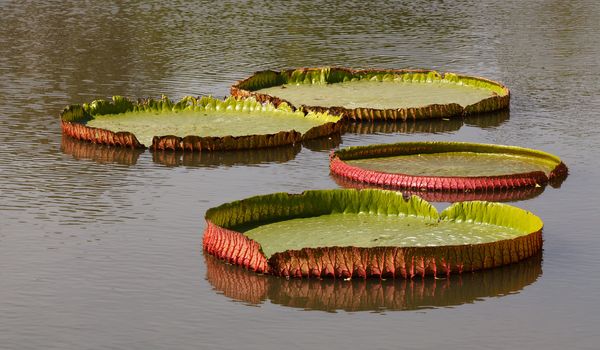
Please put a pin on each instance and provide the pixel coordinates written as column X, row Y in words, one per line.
column 195, row 124
column 373, row 295
column 350, row 233
column 377, row 94
column 448, row 166
column 102, row 154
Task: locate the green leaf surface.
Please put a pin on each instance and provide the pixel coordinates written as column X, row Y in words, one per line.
column 202, row 116
column 366, row 218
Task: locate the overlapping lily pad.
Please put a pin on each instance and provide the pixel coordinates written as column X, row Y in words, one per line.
column 377, row 94
column 448, row 166
column 350, row 233
column 194, row 124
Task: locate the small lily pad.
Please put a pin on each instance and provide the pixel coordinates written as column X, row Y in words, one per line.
column 447, row 166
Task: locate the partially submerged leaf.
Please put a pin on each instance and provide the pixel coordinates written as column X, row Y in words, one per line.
column 447, row 166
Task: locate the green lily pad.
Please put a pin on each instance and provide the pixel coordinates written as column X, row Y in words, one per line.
column 372, row 230
column 102, row 154
column 448, row 166
column 350, row 233
column 194, row 123
column 456, row 164
column 377, row 94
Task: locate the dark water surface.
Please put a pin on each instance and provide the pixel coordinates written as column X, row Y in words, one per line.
column 101, row 248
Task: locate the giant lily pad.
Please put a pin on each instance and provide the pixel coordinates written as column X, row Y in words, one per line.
column 447, row 166
column 350, row 233
column 377, row 94
column 195, row 124
column 373, row 295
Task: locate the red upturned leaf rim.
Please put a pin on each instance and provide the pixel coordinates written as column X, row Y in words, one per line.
column 74, row 119
column 482, row 184
column 507, row 195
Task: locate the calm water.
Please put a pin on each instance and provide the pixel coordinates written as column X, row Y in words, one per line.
column 101, row 248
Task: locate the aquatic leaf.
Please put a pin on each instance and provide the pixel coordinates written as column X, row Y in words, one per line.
column 447, row 166
column 298, row 235
column 194, row 124
column 340, row 91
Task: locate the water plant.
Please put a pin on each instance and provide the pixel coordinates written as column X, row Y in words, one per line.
column 194, row 124
column 376, row 94
column 362, row 233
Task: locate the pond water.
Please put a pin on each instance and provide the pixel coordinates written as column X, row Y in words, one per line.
column 101, row 248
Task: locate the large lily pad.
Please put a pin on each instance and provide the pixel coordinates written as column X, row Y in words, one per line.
column 448, row 166
column 350, row 233
column 427, row 126
column 194, row 124
column 377, row 94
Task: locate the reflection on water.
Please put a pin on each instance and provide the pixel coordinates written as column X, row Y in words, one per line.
column 428, row 126
column 323, row 143
column 99, row 153
column 129, row 156
column 515, row 194
column 557, row 182
column 226, row 158
column 331, row 295
column 487, row 120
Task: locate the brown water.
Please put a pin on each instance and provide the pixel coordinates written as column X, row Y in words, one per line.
column 102, row 249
